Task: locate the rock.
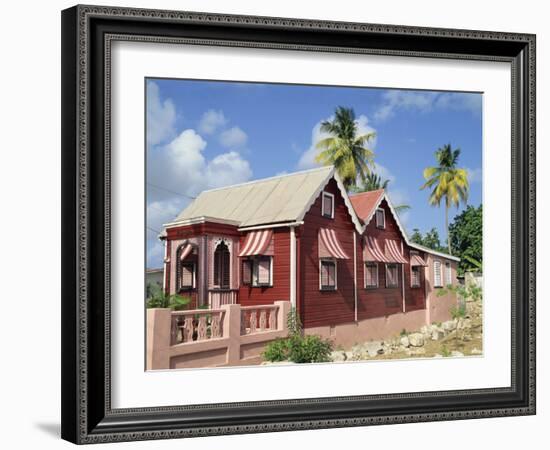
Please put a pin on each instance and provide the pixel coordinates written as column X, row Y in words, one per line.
column 416, row 339
column 437, row 334
column 374, row 348
column 404, row 341
column 455, row 353
column 426, row 330
column 466, row 338
column 450, row 325
column 437, row 355
column 476, row 351
column 462, row 324
column 338, row 356
column 276, row 363
column 360, row 352
column 416, row 351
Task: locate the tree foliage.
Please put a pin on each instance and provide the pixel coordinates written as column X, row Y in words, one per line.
column 344, row 148
column 430, row 239
column 447, row 182
column 467, row 238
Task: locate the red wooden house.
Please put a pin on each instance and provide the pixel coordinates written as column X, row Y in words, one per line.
column 344, row 262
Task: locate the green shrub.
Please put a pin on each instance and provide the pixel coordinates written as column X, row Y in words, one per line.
column 309, row 349
column 458, row 312
column 159, row 299
column 297, row 347
column 276, row 350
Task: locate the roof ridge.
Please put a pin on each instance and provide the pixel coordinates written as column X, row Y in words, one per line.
column 259, row 180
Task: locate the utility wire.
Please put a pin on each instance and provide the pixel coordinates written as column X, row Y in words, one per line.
column 172, row 192
column 153, row 230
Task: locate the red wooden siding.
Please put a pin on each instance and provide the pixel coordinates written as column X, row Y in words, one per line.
column 382, row 301
column 325, row 307
column 250, row 295
column 200, row 229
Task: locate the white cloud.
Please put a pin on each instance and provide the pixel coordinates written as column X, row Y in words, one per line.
column 159, row 213
column 227, row 169
column 180, row 167
column 161, row 116
column 211, row 121
column 475, row 175
column 307, row 159
column 233, row 138
column 384, row 173
column 395, row 100
column 179, row 171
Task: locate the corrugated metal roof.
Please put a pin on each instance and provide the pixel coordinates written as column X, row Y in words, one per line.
column 271, row 200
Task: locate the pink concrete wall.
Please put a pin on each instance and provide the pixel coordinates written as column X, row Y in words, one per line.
column 377, row 328
column 438, row 308
column 231, row 349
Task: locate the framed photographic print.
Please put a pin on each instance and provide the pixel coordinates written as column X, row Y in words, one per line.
column 282, row 224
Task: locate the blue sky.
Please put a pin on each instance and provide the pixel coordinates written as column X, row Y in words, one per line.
column 205, row 134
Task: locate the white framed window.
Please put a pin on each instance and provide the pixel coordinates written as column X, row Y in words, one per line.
column 392, row 275
column 327, row 207
column 448, row 273
column 187, row 276
column 380, row 218
column 258, row 271
column 438, row 279
column 415, row 276
column 328, row 275
column 371, row 275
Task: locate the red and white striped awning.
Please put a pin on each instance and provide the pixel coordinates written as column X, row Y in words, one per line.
column 373, row 252
column 416, row 260
column 393, row 252
column 329, row 245
column 256, row 243
column 186, row 251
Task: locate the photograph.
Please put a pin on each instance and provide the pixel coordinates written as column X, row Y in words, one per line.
column 294, row 223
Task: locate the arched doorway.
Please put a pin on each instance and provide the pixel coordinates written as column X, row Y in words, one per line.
column 222, row 266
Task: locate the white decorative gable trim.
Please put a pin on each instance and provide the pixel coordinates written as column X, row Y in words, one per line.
column 332, row 174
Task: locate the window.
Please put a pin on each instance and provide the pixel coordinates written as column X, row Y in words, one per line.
column 392, row 276
column 187, row 275
column 438, row 279
column 222, row 266
column 380, row 218
column 448, row 274
column 327, row 275
column 261, row 274
column 258, row 271
column 327, row 207
column 415, row 276
column 371, row 275
column 247, row 271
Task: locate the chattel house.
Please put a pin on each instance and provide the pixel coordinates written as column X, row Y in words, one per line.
column 343, row 261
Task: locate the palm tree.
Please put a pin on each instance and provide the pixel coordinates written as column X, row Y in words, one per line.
column 373, row 182
column 447, row 182
column 344, row 149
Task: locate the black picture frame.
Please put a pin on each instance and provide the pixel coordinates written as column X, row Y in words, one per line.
column 87, row 32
